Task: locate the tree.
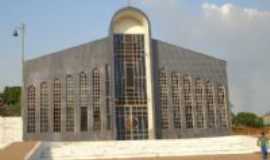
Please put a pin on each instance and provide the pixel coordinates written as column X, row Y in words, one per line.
column 11, row 95
column 11, row 99
column 248, row 119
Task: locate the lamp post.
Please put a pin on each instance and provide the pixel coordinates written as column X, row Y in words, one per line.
column 20, row 31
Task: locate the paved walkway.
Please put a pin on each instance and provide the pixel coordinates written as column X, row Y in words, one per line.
column 219, row 157
column 16, row 151
column 228, row 145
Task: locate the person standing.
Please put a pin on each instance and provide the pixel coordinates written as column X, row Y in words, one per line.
column 263, row 142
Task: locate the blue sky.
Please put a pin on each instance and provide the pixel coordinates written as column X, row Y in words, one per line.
column 55, row 25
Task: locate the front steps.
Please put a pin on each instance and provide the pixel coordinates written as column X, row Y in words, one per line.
column 151, row 148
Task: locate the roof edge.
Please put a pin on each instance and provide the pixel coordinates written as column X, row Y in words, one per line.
column 194, row 51
column 62, row 50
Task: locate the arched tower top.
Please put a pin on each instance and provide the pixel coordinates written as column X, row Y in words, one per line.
column 130, row 20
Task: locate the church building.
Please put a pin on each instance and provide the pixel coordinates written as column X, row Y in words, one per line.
column 126, row 86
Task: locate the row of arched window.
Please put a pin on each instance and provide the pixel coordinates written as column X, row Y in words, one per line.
column 195, row 100
column 70, row 101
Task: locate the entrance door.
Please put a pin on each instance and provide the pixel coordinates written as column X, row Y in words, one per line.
column 131, row 123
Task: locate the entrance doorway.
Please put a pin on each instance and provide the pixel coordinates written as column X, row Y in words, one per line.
column 131, row 123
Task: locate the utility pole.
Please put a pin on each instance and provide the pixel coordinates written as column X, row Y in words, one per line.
column 20, row 31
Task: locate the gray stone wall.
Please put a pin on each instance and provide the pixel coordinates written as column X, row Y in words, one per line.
column 98, row 54
column 84, row 58
column 197, row 65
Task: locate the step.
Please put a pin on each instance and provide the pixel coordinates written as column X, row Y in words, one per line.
column 150, row 148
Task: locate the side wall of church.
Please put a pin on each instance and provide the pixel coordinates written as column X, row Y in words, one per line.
column 85, row 65
column 178, row 63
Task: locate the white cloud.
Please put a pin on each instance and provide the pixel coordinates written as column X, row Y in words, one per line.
column 225, row 9
column 229, row 9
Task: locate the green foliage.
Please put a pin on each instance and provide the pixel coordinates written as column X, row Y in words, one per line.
column 11, row 95
column 248, row 120
column 11, row 99
column 10, row 110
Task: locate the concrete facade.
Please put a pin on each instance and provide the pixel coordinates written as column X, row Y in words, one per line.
column 99, row 54
column 10, row 130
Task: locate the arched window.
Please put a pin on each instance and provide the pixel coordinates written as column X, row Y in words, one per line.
column 44, row 107
column 31, row 109
column 176, row 88
column 57, row 105
column 199, row 103
column 96, row 99
column 210, row 111
column 163, row 82
column 188, row 101
column 222, row 106
column 84, row 96
column 70, row 103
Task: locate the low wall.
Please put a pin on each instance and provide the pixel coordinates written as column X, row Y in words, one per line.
column 10, row 130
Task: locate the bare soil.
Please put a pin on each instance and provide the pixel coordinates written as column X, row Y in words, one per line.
column 16, row 151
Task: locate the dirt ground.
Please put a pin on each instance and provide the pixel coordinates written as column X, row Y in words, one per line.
column 251, row 131
column 16, row 151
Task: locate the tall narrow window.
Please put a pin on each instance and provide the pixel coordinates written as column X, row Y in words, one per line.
column 31, row 109
column 176, row 83
column 84, row 96
column 96, row 99
column 222, row 106
column 199, row 104
column 44, row 107
column 70, row 103
column 163, row 82
column 210, row 105
column 188, row 101
column 57, row 105
column 84, row 119
column 130, row 86
column 108, row 94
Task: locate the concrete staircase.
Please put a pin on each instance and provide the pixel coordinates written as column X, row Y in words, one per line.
column 151, row 148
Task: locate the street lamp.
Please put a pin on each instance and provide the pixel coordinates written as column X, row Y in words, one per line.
column 20, row 31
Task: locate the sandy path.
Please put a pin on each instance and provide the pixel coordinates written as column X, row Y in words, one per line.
column 16, row 151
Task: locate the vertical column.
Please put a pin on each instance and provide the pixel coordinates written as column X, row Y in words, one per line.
column 37, row 105
column 215, row 106
column 183, row 116
column 103, row 97
column 204, row 105
column 90, row 102
column 50, row 110
column 193, row 102
column 77, row 104
column 63, row 104
column 149, row 86
column 180, row 99
column 170, row 103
